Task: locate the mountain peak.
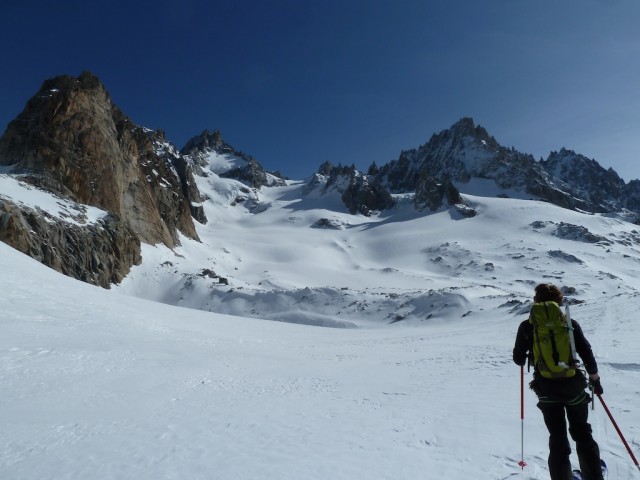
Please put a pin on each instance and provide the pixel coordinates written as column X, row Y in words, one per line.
column 67, row 84
column 466, row 127
column 206, row 141
column 72, row 140
column 465, row 123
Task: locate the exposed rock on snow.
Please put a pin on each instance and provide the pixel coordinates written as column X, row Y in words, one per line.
column 579, row 233
column 360, row 193
column 99, row 253
column 539, row 224
column 567, row 257
column 329, row 223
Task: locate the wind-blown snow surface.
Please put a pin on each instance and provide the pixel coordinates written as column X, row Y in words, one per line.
column 106, row 385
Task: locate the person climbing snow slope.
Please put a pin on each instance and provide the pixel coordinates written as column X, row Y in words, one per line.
column 552, row 341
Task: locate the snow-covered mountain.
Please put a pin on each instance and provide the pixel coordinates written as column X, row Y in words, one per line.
column 72, row 141
column 235, row 257
column 466, row 151
column 205, row 360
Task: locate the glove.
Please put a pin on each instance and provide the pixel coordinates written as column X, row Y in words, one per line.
column 595, row 386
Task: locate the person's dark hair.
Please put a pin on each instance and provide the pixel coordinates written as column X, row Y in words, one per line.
column 548, row 292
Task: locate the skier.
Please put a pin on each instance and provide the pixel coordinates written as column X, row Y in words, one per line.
column 563, row 398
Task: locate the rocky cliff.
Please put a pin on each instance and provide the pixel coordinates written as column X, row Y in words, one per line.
column 73, row 141
column 99, row 253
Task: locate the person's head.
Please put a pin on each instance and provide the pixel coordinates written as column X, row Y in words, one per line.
column 548, row 292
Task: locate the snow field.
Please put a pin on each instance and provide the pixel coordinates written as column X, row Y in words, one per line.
column 128, row 384
column 117, row 387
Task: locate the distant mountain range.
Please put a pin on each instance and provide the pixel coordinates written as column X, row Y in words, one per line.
column 72, row 141
column 467, row 151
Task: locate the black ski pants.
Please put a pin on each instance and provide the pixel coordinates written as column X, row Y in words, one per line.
column 559, row 448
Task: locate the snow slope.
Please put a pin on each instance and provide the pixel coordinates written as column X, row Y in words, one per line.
column 399, row 265
column 116, row 385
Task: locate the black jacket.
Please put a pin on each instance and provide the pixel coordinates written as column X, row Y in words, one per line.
column 524, row 346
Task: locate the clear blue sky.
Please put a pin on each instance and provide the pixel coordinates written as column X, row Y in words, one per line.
column 299, row 82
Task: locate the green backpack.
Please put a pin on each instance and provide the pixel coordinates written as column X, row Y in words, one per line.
column 553, row 345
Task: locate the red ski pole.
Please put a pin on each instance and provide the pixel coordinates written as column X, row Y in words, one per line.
column 606, row 409
column 522, row 463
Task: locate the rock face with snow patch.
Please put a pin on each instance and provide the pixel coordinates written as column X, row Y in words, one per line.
column 169, row 155
column 364, row 194
column 600, row 189
column 451, row 158
column 242, row 167
column 360, row 193
column 467, row 151
column 99, row 253
column 71, row 140
column 432, row 194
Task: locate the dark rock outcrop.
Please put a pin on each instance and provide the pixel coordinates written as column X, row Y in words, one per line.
column 432, row 194
column 100, row 253
column 329, row 223
column 360, row 193
column 364, row 194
